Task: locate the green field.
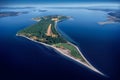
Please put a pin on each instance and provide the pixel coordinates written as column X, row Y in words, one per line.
column 74, row 52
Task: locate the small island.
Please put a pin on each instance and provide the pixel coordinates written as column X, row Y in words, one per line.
column 45, row 32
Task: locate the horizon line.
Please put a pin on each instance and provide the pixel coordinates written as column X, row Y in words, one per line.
column 65, row 4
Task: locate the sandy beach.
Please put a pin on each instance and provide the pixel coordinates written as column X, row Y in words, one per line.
column 60, row 51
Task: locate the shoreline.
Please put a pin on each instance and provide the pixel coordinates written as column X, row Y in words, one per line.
column 87, row 64
column 58, row 50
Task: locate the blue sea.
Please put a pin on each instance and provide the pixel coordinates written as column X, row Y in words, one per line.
column 22, row 59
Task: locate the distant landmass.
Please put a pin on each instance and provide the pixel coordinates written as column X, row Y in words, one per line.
column 42, row 10
column 66, row 7
column 113, row 15
column 16, row 7
column 11, row 13
column 5, row 13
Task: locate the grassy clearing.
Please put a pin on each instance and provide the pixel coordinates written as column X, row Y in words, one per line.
column 73, row 51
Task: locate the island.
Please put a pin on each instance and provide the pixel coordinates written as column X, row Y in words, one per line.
column 46, row 33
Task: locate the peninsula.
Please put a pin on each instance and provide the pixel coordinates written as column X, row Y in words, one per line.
column 45, row 32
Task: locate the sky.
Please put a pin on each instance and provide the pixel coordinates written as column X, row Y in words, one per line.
column 51, row 1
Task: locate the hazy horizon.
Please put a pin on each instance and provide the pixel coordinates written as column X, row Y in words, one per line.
column 61, row 5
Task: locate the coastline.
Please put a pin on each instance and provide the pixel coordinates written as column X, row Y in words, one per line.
column 106, row 22
column 59, row 51
column 87, row 64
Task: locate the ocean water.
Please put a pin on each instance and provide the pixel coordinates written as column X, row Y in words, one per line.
column 22, row 59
